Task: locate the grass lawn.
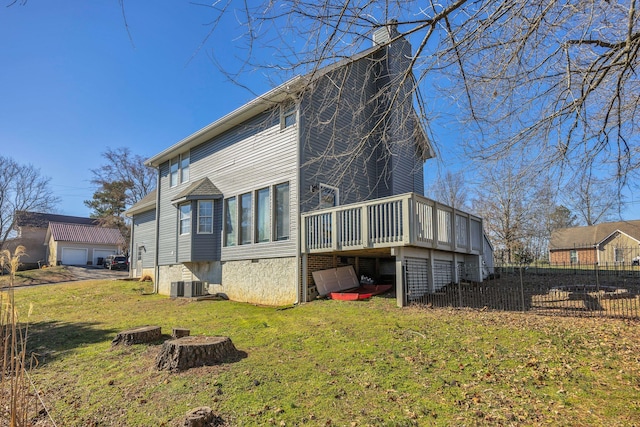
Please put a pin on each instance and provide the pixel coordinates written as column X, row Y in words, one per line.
column 329, row 363
column 37, row 276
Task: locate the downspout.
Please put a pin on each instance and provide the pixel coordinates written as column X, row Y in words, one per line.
column 131, row 252
column 157, row 235
column 301, row 268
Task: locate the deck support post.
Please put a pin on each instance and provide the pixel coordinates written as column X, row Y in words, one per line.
column 303, row 295
column 401, row 295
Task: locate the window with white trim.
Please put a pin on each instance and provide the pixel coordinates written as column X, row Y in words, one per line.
column 329, row 196
column 185, row 159
column 288, row 115
column 257, row 217
column 230, row 221
column 618, row 254
column 246, row 223
column 173, row 172
column 185, row 219
column 179, row 169
column 573, row 256
column 263, row 220
column 281, row 211
column 205, row 216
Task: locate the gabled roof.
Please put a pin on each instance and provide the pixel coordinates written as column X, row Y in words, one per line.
column 199, row 190
column 285, row 91
column 569, row 238
column 42, row 220
column 245, row 112
column 80, row 233
column 145, row 204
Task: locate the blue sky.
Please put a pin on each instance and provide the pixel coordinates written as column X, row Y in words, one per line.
column 73, row 83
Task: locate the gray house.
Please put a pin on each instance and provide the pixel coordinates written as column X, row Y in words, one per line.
column 312, row 175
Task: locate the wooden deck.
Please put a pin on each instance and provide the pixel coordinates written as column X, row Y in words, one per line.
column 404, row 220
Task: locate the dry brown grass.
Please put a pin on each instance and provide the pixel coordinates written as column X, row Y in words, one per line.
column 17, row 405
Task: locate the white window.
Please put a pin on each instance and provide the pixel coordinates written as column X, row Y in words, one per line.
column 245, row 219
column 179, row 169
column 287, row 115
column 618, row 254
column 184, row 167
column 329, row 196
column 231, row 221
column 281, row 211
column 263, row 220
column 173, row 171
column 185, row 218
column 574, row 256
column 205, row 217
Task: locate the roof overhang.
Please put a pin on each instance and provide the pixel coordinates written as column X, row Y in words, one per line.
column 147, row 203
column 614, row 233
column 236, row 117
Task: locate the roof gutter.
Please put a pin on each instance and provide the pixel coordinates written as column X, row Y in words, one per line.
column 232, row 119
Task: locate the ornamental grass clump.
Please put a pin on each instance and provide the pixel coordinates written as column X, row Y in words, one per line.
column 15, row 400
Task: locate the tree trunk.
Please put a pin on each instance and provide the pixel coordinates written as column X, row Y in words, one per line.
column 144, row 334
column 188, row 352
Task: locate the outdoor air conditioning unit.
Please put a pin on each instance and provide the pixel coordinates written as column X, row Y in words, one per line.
column 193, row 289
column 177, row 289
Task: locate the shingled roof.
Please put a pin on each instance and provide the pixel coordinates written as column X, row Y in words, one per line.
column 80, row 233
column 42, row 220
column 147, row 203
column 201, row 189
column 569, row 238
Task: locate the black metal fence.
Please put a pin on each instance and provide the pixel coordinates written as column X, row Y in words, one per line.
column 587, row 291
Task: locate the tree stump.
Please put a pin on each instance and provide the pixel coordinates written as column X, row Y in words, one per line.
column 140, row 335
column 202, row 417
column 180, row 332
column 189, row 352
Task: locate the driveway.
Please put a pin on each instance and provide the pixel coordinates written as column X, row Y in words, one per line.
column 96, row 273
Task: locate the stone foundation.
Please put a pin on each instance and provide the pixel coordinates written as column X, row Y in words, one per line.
column 265, row 281
column 206, row 272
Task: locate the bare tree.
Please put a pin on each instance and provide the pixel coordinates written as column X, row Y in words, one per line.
column 127, row 170
column 451, row 189
column 22, row 188
column 594, row 200
column 555, row 77
column 506, row 199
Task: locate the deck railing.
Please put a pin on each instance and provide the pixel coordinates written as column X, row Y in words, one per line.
column 403, row 220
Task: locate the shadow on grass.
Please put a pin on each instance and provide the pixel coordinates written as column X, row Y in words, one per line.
column 50, row 340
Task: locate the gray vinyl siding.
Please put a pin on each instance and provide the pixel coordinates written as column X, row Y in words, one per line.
column 335, row 119
column 167, row 219
column 184, row 240
column 251, row 156
column 325, row 146
column 206, row 247
column 247, row 158
column 144, row 232
column 403, row 167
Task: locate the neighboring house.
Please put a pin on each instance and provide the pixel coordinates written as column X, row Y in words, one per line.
column 605, row 243
column 79, row 244
column 31, row 228
column 256, row 201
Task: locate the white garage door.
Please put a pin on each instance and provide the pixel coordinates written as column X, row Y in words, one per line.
column 74, row 256
column 101, row 253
